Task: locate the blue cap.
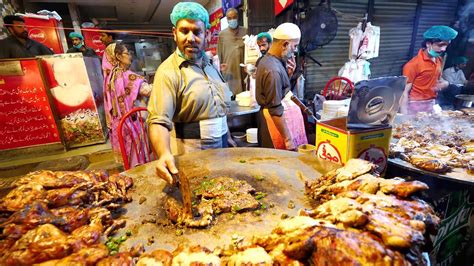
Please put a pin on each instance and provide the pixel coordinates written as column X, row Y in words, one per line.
column 266, row 35
column 458, row 60
column 440, row 32
column 76, row 35
column 189, row 10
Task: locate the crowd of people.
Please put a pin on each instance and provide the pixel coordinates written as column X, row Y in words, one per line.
column 190, row 97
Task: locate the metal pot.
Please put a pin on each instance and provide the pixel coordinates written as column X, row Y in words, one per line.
column 465, row 100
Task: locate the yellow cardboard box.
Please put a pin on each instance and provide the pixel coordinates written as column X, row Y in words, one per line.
column 334, row 142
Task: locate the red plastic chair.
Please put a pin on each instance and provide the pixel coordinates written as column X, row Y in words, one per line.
column 338, row 88
column 134, row 124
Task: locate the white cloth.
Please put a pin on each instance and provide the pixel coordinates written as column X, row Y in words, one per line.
column 364, row 44
column 355, row 70
column 454, row 77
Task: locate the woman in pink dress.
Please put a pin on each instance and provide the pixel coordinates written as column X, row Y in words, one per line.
column 123, row 88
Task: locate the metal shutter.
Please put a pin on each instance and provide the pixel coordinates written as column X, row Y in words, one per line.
column 435, row 13
column 335, row 54
column 395, row 19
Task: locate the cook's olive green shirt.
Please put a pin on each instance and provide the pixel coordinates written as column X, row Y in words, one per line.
column 185, row 92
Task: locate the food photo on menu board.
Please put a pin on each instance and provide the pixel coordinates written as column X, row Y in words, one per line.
column 73, row 96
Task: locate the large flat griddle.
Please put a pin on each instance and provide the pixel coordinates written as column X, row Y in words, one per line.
column 459, row 175
column 283, row 175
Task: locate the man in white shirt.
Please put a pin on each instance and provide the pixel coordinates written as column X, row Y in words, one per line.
column 455, row 75
column 456, row 78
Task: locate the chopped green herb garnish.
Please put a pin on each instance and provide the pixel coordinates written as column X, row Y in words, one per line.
column 260, row 195
column 259, row 177
column 242, row 161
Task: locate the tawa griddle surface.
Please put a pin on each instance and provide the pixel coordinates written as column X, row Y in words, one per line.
column 283, row 175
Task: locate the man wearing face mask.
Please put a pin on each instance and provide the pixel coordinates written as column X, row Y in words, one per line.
column 230, row 50
column 280, row 122
column 18, row 44
column 78, row 45
column 264, row 42
column 423, row 72
column 189, row 100
column 457, row 81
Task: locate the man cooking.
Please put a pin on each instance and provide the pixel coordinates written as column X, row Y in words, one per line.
column 188, row 103
column 18, row 45
column 264, row 42
column 230, row 49
column 423, row 72
column 78, row 45
column 457, row 80
column 281, row 126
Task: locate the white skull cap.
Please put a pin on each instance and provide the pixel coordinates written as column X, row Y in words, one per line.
column 287, row 31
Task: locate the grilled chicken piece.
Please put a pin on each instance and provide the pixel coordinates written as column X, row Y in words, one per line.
column 21, row 196
column 352, row 169
column 253, row 255
column 428, row 163
column 86, row 235
column 339, row 247
column 123, row 258
column 416, row 210
column 45, row 242
column 66, row 196
column 400, row 187
column 156, row 257
column 32, row 215
column 87, row 256
column 321, row 190
column 71, row 217
column 341, row 210
column 62, row 179
column 195, row 255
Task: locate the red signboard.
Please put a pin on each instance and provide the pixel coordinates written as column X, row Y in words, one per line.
column 46, row 32
column 280, row 5
column 92, row 40
column 213, row 38
column 26, row 118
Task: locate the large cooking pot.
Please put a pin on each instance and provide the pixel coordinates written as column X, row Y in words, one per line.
column 465, row 100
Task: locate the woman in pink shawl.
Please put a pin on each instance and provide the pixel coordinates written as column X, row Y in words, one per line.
column 122, row 89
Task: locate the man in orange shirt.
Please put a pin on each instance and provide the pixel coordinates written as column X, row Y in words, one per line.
column 423, row 71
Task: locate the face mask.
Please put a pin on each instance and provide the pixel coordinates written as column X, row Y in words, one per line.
column 78, row 46
column 182, row 55
column 433, row 53
column 233, row 23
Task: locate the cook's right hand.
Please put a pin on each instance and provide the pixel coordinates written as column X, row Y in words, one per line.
column 290, row 146
column 223, row 67
column 166, row 167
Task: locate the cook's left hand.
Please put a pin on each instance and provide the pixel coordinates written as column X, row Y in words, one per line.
column 290, row 66
column 231, row 142
column 440, row 85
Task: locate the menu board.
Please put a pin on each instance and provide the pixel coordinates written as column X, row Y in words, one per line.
column 26, row 118
column 74, row 98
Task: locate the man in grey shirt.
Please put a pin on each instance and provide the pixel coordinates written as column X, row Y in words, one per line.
column 272, row 84
column 18, row 45
column 188, row 103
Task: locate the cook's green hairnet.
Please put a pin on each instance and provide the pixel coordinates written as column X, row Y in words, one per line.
column 189, row 10
column 266, row 35
column 458, row 60
column 440, row 32
column 76, row 35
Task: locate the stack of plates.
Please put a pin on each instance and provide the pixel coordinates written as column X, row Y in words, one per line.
column 252, row 135
column 333, row 109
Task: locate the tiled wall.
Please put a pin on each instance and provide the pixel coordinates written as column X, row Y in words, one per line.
column 6, row 9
